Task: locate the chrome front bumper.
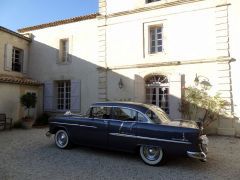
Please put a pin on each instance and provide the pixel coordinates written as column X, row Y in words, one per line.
column 197, row 155
column 202, row 155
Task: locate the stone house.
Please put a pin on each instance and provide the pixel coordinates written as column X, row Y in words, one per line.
column 14, row 81
column 139, row 50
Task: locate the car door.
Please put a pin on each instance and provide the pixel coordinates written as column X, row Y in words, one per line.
column 92, row 130
column 122, row 129
column 99, row 117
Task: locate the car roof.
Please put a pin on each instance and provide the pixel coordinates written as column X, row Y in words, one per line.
column 133, row 105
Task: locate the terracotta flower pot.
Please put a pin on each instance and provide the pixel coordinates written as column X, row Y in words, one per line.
column 27, row 122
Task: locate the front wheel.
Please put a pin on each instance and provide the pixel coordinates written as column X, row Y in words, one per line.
column 152, row 155
column 62, row 140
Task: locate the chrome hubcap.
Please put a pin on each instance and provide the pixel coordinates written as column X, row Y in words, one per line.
column 61, row 139
column 151, row 153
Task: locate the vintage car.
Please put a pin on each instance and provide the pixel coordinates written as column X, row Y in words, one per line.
column 131, row 127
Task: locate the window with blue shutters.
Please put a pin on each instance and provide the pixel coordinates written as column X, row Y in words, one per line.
column 63, row 95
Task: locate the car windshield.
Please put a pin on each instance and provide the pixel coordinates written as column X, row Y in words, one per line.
column 157, row 115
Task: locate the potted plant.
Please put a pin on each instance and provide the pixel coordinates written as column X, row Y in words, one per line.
column 28, row 100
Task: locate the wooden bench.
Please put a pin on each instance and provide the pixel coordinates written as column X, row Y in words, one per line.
column 5, row 122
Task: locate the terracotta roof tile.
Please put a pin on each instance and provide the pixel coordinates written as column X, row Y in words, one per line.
column 57, row 23
column 18, row 80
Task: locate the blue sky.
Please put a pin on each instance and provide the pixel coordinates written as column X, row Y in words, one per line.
column 16, row 14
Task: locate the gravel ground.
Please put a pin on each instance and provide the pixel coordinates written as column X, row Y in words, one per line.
column 28, row 154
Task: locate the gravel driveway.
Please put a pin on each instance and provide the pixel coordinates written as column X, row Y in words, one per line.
column 28, row 154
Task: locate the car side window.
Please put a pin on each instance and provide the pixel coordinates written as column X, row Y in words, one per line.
column 153, row 117
column 101, row 112
column 124, row 114
column 141, row 118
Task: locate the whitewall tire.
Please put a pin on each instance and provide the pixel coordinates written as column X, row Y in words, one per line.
column 152, row 155
column 62, row 139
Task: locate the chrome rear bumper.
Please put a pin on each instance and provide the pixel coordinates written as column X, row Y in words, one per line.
column 197, row 155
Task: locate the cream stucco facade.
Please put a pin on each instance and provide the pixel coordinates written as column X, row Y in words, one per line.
column 81, row 68
column 199, row 37
column 13, row 84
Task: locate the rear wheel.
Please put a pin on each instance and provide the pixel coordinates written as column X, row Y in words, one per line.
column 62, row 139
column 152, row 155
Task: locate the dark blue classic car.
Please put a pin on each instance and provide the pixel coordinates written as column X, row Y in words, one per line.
column 131, row 127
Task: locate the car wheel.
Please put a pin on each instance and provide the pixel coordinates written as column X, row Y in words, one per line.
column 62, row 140
column 152, row 155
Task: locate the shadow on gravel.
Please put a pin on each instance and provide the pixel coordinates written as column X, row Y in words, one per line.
column 80, row 152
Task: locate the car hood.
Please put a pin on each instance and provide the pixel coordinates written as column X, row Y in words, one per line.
column 184, row 123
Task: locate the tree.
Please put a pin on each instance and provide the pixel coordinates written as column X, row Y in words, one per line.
column 28, row 100
column 197, row 105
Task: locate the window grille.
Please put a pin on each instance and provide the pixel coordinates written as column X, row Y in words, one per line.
column 156, row 44
column 63, row 95
column 17, row 59
column 157, row 91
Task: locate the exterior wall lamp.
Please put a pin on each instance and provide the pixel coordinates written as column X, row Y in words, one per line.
column 203, row 81
column 120, row 83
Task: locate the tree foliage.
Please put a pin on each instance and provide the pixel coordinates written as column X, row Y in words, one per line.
column 197, row 105
column 28, row 100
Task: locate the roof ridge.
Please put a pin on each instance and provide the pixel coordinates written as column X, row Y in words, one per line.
column 59, row 22
column 14, row 33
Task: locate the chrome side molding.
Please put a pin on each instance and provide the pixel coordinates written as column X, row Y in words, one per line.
column 149, row 138
column 81, row 125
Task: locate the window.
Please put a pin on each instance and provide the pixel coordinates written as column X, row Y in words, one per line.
column 125, row 114
column 141, row 118
column 63, row 95
column 157, row 91
column 150, row 1
column 101, row 112
column 157, row 115
column 152, row 116
column 63, row 51
column 155, row 38
column 17, row 59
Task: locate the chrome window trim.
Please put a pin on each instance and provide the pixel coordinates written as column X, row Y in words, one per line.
column 81, row 125
column 148, row 120
column 149, row 138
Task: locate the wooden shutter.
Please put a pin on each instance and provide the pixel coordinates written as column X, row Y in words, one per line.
column 75, row 95
column 60, row 52
column 67, row 50
column 70, row 48
column 8, row 57
column 175, row 91
column 48, row 96
column 25, row 61
column 139, row 89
